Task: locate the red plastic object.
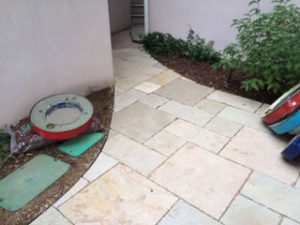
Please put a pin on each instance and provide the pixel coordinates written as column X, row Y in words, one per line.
column 49, row 122
column 64, row 135
column 282, row 107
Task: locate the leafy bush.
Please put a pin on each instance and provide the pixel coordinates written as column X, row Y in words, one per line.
column 268, row 47
column 194, row 48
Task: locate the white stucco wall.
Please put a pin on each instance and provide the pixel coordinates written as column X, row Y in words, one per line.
column 211, row 19
column 119, row 14
column 49, row 47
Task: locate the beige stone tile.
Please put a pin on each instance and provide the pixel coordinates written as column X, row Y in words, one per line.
column 197, row 135
column 139, row 72
column 224, row 127
column 140, row 122
column 147, row 87
column 127, row 98
column 185, row 92
column 262, row 109
column 273, row 194
column 134, row 55
column 203, row 179
column 298, row 183
column 120, row 196
column 186, row 112
column 153, row 100
column 133, row 154
column 210, row 106
column 74, row 190
column 123, row 83
column 287, row 221
column 118, row 90
column 161, row 66
column 165, row 143
column 243, row 117
column 112, row 133
column 121, row 54
column 88, row 223
column 51, row 217
column 101, row 165
column 236, row 101
column 142, row 60
column 261, row 151
column 136, row 52
column 165, row 78
column 246, row 212
column 185, row 214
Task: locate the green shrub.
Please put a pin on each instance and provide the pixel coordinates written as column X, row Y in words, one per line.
column 194, row 48
column 267, row 48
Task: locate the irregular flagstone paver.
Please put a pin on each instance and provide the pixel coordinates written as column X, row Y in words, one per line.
column 236, row 101
column 135, row 51
column 101, row 165
column 185, row 112
column 159, row 65
column 262, row 109
column 273, row 194
column 153, row 100
column 125, row 53
column 112, row 133
column 210, row 106
column 140, row 72
column 165, row 143
column 298, row 183
column 133, row 154
column 142, row 60
column 164, row 78
column 197, row 135
column 203, row 179
column 243, row 117
column 184, row 92
column 51, row 217
column 185, row 214
column 261, row 151
column 70, row 193
column 224, row 127
column 140, row 122
column 246, row 212
column 88, row 223
column 128, row 54
column 118, row 89
column 122, row 84
column 147, row 87
column 121, row 196
column 127, row 98
column 287, row 221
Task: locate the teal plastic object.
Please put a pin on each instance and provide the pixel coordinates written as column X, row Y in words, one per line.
column 25, row 183
column 79, row 145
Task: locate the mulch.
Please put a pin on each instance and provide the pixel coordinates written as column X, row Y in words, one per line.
column 103, row 107
column 203, row 73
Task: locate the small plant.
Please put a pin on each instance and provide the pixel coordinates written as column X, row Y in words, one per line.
column 159, row 44
column 194, row 48
column 267, row 48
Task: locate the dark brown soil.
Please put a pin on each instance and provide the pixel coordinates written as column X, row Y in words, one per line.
column 202, row 73
column 103, row 106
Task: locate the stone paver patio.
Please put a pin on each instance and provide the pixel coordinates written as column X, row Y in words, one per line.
column 180, row 153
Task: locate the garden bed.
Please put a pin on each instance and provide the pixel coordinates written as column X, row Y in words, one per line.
column 203, row 73
column 103, row 107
